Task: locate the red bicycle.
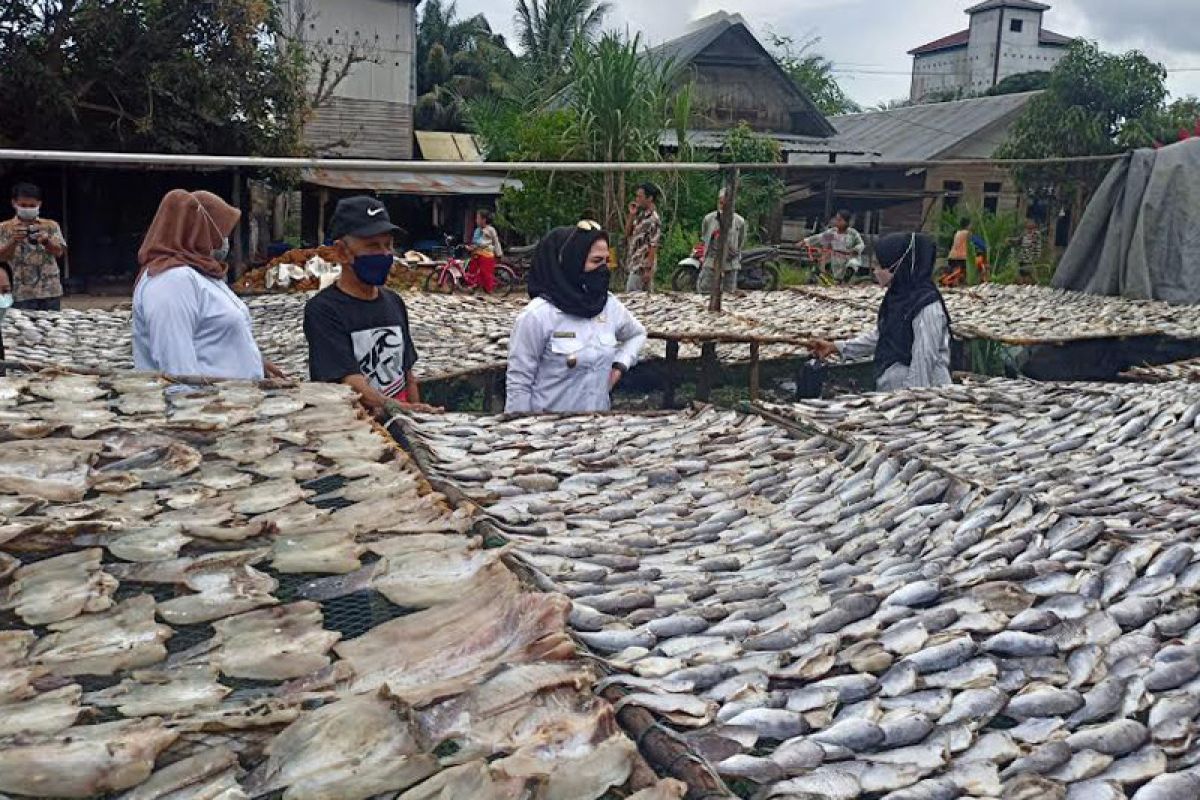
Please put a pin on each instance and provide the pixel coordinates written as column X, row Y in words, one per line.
column 456, row 274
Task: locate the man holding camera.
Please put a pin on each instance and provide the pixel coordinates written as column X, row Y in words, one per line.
column 32, row 245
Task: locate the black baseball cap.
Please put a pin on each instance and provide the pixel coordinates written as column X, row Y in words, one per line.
column 361, row 216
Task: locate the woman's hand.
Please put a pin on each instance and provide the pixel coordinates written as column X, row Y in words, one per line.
column 614, row 377
column 274, row 372
column 823, row 349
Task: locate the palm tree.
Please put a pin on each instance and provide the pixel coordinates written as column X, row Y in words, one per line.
column 549, row 31
column 457, row 60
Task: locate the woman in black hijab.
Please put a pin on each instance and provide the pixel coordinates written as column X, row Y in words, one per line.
column 911, row 344
column 574, row 341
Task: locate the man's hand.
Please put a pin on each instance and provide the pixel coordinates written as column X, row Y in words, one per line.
column 21, row 234
column 394, row 408
column 614, row 377
column 274, row 372
column 823, row 349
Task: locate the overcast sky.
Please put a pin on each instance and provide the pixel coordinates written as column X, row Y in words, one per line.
column 868, row 39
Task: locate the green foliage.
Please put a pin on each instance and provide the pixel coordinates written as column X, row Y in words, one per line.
column 812, row 72
column 1000, row 233
column 1090, row 99
column 458, row 60
column 551, row 32
column 758, row 192
column 1166, row 125
column 1024, row 82
column 172, row 76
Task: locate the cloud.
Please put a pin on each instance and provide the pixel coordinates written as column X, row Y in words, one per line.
column 868, row 40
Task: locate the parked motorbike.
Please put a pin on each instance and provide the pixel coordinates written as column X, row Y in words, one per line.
column 759, row 271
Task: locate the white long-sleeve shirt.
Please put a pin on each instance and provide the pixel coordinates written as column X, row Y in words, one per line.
column 185, row 323
column 561, row 364
column 930, row 354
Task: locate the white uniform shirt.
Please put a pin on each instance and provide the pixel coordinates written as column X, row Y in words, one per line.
column 930, row 354
column 186, row 323
column 561, row 364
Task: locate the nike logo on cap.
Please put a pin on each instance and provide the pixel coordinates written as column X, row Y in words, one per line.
column 375, row 212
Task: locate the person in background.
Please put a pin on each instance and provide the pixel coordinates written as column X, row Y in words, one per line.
column 956, row 261
column 32, row 245
column 357, row 330
column 186, row 319
column 643, row 230
column 6, row 301
column 485, row 249
column 1029, row 252
column 842, row 245
column 911, row 344
column 710, row 235
column 574, row 341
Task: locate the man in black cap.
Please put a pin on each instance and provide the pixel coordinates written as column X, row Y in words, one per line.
column 357, row 330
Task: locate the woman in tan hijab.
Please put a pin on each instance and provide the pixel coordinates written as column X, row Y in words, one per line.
column 186, row 320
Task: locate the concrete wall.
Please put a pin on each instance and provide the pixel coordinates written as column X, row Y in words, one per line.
column 973, row 69
column 946, row 71
column 370, row 115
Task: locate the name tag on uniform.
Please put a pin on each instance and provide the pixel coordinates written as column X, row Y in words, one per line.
column 564, row 334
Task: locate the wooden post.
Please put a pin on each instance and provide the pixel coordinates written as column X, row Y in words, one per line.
column 830, row 185
column 671, row 379
column 237, row 253
column 754, row 371
column 322, row 201
column 708, row 370
column 726, row 219
column 489, row 392
column 66, row 227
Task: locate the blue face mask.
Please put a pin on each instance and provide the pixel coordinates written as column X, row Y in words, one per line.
column 373, row 270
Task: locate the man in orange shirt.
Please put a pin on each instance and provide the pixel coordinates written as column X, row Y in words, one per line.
column 956, row 264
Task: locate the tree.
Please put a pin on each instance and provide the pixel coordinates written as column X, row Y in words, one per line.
column 457, row 60
column 168, row 76
column 549, row 32
column 1023, row 82
column 813, row 73
column 1173, row 123
column 1093, row 103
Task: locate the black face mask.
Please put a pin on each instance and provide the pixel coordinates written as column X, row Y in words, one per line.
column 595, row 284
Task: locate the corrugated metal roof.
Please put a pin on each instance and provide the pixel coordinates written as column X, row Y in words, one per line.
column 432, row 184
column 443, row 146
column 788, row 143
column 919, row 133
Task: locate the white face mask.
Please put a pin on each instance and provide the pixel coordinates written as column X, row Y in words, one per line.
column 6, row 301
column 28, row 214
column 222, row 252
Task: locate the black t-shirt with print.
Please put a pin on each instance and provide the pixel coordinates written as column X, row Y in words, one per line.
column 348, row 336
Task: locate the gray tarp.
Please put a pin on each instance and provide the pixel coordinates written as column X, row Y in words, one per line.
column 1140, row 235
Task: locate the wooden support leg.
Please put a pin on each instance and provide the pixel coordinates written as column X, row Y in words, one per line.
column 671, row 380
column 754, row 372
column 708, row 372
column 489, row 393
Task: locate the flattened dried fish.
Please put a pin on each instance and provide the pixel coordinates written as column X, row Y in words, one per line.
column 163, row 693
column 60, row 588
column 52, row 469
column 273, row 644
column 84, row 761
column 354, row 748
column 125, row 637
column 49, row 712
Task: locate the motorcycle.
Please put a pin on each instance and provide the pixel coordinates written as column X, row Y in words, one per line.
column 759, row 271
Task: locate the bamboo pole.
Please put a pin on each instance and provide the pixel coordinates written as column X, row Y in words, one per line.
column 426, row 167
